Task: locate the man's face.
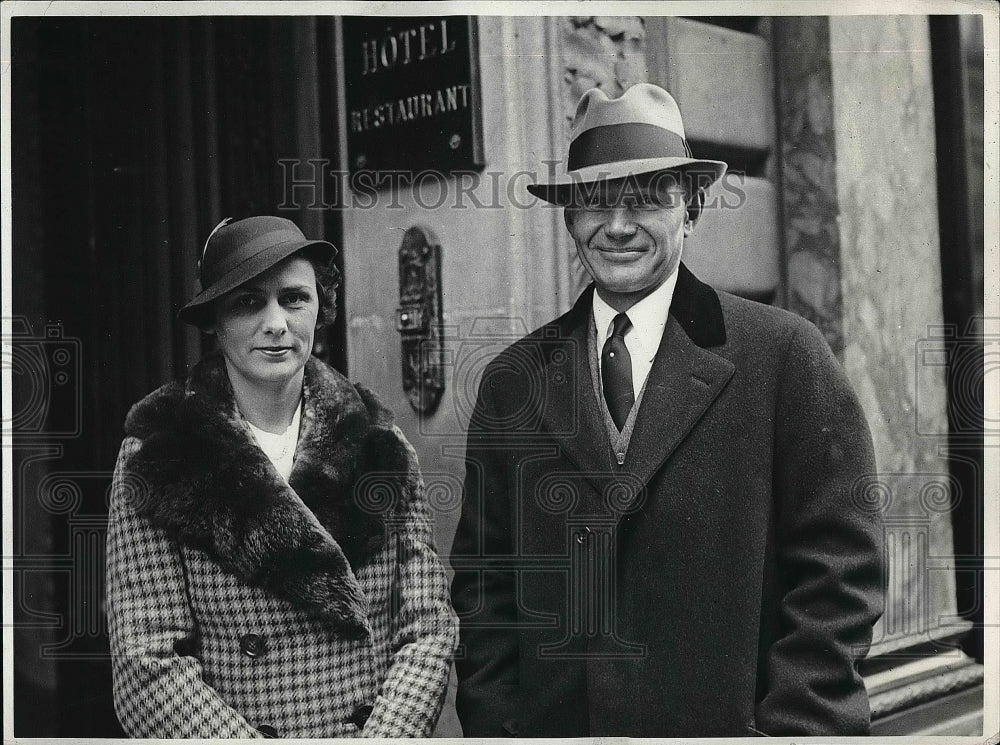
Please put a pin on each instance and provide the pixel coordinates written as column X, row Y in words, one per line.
column 630, row 237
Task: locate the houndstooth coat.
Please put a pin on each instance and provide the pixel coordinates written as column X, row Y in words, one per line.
column 242, row 606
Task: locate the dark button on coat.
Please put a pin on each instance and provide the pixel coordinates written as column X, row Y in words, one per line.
column 253, row 645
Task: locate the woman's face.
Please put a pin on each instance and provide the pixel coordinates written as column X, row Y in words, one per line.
column 265, row 326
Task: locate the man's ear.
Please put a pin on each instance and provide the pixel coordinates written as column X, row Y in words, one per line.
column 695, row 205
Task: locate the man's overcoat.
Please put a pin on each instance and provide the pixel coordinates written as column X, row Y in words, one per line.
column 243, row 606
column 721, row 581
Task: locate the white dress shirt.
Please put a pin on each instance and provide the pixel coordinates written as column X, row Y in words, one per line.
column 648, row 317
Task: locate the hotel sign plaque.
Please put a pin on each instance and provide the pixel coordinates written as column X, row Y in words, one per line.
column 412, row 94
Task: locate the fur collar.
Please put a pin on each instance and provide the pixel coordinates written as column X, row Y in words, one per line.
column 216, row 491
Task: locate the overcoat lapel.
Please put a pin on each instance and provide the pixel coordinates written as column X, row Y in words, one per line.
column 683, row 383
column 685, row 379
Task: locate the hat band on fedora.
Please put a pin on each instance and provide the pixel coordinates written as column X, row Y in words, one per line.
column 249, row 250
column 611, row 143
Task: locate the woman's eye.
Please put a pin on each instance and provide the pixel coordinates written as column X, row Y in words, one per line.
column 246, row 301
column 296, row 298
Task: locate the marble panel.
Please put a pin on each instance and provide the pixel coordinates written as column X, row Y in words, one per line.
column 890, row 276
column 807, row 165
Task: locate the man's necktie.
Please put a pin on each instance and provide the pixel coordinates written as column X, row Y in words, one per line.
column 616, row 372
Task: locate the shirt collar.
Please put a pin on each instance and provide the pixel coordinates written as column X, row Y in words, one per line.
column 648, row 316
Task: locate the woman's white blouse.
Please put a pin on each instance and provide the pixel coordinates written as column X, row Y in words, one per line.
column 280, row 449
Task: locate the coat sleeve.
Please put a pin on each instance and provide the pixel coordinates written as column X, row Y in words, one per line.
column 830, row 550
column 158, row 687
column 488, row 664
column 424, row 627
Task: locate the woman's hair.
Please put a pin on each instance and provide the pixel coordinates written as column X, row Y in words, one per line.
column 327, row 282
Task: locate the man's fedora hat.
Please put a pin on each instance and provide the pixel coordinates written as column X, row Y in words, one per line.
column 236, row 252
column 640, row 132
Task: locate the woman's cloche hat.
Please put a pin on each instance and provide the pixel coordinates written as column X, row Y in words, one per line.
column 236, row 252
column 641, row 132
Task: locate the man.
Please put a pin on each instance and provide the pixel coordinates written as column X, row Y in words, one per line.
column 659, row 535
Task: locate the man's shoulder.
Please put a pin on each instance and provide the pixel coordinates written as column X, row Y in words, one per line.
column 765, row 334
column 523, row 362
column 554, row 334
column 746, row 317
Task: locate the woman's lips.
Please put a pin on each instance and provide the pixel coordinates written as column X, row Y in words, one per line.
column 275, row 352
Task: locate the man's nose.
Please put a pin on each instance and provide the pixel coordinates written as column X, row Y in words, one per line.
column 274, row 321
column 620, row 223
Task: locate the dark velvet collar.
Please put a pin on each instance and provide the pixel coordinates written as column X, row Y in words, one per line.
column 694, row 305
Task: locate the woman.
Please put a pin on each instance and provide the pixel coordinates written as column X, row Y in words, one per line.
column 271, row 568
